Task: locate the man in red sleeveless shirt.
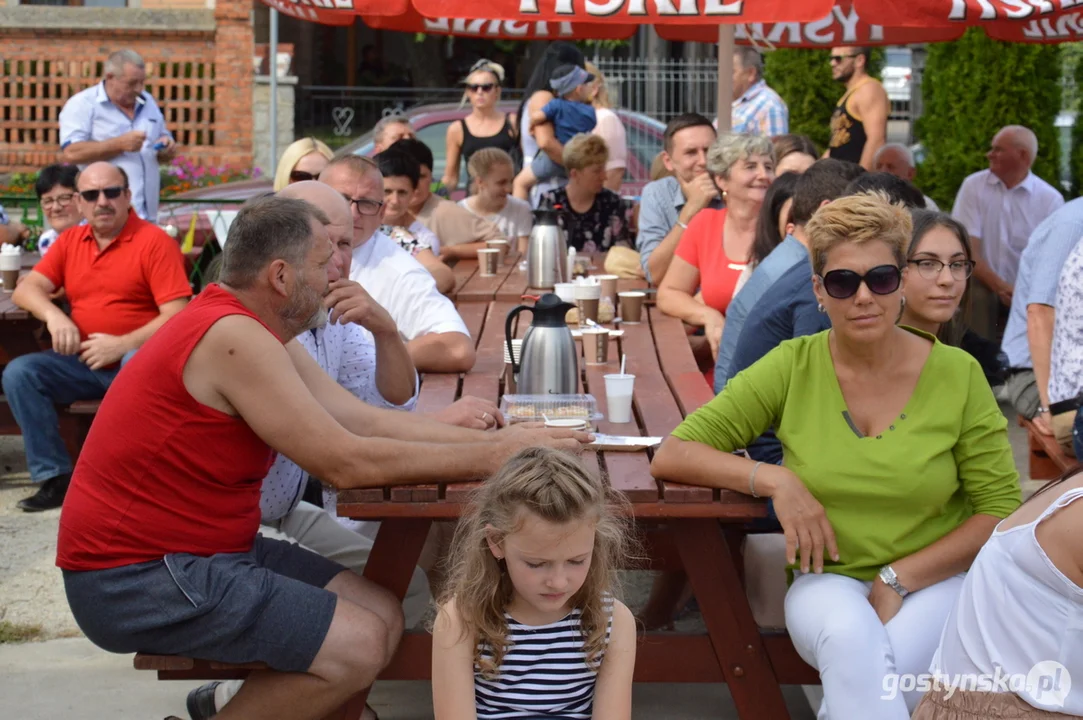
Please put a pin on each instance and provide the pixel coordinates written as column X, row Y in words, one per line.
column 124, row 277
column 158, row 539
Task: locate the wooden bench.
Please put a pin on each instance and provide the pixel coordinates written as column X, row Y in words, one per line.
column 1047, row 458
column 174, row 667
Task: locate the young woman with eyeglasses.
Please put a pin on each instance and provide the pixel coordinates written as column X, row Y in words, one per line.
column 938, row 289
column 303, row 160
column 896, row 466
column 486, row 126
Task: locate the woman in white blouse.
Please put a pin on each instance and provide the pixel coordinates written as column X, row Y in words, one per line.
column 611, row 129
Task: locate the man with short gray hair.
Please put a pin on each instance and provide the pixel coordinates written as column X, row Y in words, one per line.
column 119, row 122
column 1001, row 207
column 389, row 131
column 897, row 159
column 757, row 109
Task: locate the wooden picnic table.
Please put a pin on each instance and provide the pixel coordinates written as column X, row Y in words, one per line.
column 19, row 330
column 697, row 529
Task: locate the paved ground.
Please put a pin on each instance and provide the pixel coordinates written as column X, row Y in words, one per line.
column 65, row 676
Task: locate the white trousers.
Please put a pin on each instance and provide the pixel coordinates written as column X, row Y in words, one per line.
column 313, row 528
column 836, row 630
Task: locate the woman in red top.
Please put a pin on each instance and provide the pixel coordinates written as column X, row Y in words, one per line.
column 716, row 244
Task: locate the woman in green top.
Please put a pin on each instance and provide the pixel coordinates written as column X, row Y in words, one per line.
column 896, row 465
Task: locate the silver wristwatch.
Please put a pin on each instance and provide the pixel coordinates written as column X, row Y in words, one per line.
column 892, row 581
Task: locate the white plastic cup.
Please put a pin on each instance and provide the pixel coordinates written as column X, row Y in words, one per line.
column 565, row 291
column 618, row 397
column 11, row 265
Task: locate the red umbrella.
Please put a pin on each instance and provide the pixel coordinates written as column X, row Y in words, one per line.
column 937, row 13
column 841, row 26
column 413, row 22
column 637, row 12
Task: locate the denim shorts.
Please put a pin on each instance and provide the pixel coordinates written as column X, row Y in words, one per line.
column 544, row 168
column 267, row 605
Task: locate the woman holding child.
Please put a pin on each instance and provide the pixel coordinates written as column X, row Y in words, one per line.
column 896, row 464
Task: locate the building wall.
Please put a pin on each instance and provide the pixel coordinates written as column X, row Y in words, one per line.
column 199, row 69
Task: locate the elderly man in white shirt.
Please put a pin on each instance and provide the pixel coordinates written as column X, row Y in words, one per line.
column 1000, row 208
column 435, row 334
column 119, row 122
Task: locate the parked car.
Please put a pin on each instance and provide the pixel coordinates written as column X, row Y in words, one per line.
column 897, row 73
column 430, row 122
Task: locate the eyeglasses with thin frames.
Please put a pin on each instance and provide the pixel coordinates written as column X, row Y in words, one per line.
column 58, row 200
column 365, row 206
column 930, row 268
column 111, row 193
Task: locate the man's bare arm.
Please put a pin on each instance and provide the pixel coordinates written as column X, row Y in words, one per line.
column 874, row 107
column 33, row 295
column 363, row 419
column 1040, row 338
column 448, row 352
column 240, row 364
column 396, row 378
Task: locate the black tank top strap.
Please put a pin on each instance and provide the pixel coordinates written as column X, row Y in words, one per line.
column 504, row 139
column 848, row 135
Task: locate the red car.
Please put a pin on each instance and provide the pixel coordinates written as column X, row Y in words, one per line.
column 430, row 122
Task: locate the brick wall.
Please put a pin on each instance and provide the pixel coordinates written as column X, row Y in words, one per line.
column 202, row 79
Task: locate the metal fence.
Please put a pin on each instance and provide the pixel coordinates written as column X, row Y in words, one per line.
column 339, row 115
column 196, row 225
column 664, row 88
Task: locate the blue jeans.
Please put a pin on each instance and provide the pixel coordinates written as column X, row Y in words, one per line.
column 34, row 385
column 1077, row 435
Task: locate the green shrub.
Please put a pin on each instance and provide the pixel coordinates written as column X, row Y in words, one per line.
column 971, row 88
column 803, row 79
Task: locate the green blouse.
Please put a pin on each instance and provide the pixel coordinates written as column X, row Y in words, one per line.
column 945, row 458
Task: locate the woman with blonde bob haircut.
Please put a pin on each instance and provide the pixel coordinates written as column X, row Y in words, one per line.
column 595, row 217
column 529, row 610
column 303, row 160
column 896, row 465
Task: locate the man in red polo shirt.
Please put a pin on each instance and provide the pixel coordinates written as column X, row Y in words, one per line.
column 124, row 277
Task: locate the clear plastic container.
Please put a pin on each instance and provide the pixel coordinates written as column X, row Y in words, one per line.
column 536, row 408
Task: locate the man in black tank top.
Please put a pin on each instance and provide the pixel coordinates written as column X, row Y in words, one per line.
column 859, row 123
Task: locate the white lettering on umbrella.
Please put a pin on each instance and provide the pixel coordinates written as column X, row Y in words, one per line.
column 849, row 24
column 1010, row 9
column 601, row 8
column 819, row 32
column 1066, row 26
column 496, row 28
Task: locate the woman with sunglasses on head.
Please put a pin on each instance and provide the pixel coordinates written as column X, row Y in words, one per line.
column 896, row 464
column 303, row 160
column 485, row 127
column 938, row 291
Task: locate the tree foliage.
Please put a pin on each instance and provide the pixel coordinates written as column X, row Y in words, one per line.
column 803, row 79
column 1076, row 161
column 974, row 86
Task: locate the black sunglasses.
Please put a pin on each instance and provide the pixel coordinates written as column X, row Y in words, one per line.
column 111, row 193
column 484, row 87
column 840, row 58
column 881, row 280
column 302, row 176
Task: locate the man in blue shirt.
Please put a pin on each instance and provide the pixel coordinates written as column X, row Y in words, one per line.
column 669, row 204
column 1028, row 338
column 118, row 121
column 824, row 181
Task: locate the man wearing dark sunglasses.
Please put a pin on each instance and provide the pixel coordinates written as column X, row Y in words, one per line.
column 859, row 123
column 124, row 277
